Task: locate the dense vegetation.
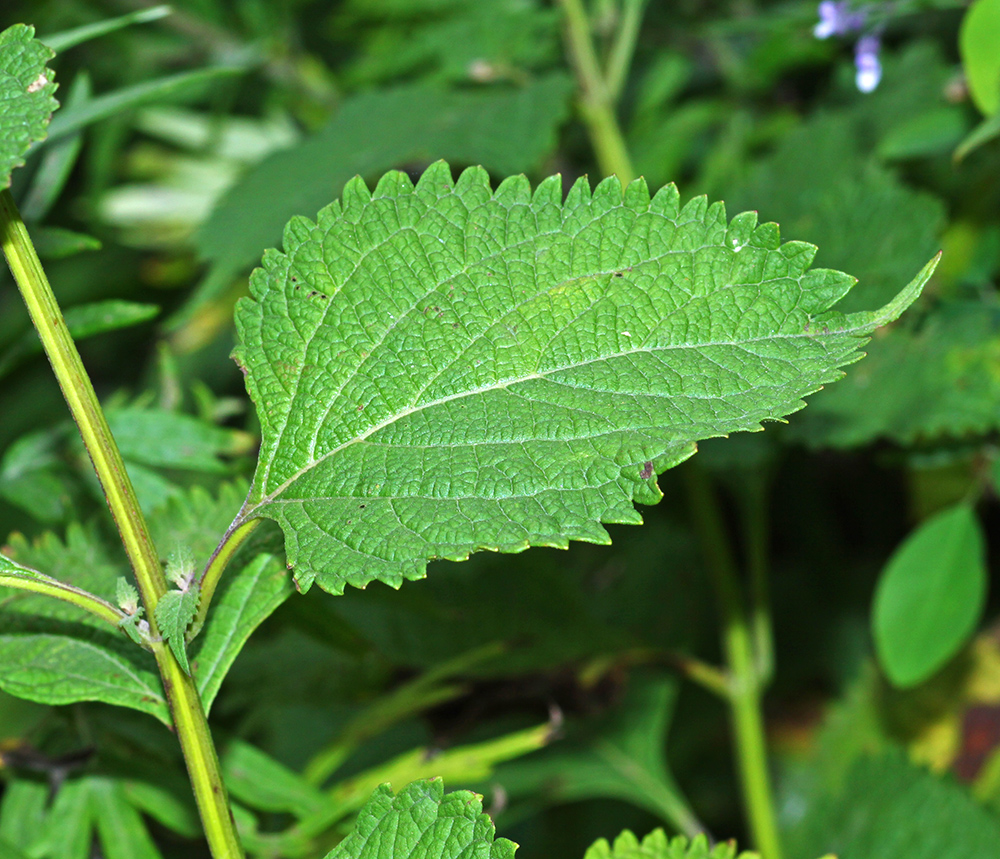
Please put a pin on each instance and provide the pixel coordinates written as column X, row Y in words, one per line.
column 439, row 360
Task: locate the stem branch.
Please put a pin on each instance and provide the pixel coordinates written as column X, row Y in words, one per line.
column 42, row 584
column 182, row 696
column 597, row 102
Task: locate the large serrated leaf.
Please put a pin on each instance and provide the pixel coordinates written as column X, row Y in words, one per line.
column 444, row 368
column 421, row 821
column 26, row 102
column 657, row 845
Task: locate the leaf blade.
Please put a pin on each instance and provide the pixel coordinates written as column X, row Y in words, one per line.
column 442, row 369
column 930, row 596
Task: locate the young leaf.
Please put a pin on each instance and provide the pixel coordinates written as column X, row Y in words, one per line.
column 174, row 613
column 422, row 821
column 26, row 88
column 656, row 845
column 930, row 596
column 444, row 369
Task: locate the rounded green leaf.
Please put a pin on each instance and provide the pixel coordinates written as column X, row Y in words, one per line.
column 979, row 45
column 930, row 596
column 26, row 102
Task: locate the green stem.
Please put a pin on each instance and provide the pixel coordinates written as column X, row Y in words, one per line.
column 41, row 584
column 755, row 527
column 597, row 104
column 185, row 704
column 623, row 47
column 745, row 686
column 216, row 566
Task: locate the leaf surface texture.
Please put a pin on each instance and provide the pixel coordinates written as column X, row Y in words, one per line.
column 443, row 368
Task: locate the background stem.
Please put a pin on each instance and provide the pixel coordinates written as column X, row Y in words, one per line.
column 182, row 696
column 597, row 104
column 745, row 685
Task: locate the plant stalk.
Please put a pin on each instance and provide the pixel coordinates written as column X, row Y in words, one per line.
column 745, row 686
column 597, row 102
column 186, row 709
column 39, row 583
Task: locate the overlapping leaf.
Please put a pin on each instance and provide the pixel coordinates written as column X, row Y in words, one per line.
column 26, row 102
column 443, row 369
column 923, row 383
column 421, row 821
column 504, row 129
column 906, row 811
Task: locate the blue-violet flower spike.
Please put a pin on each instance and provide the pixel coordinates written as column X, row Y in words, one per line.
column 867, row 63
column 836, row 19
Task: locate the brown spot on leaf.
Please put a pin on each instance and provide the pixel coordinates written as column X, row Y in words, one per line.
column 647, row 470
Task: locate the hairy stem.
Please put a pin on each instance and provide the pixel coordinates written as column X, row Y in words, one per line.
column 41, row 584
column 597, row 103
column 185, row 704
column 745, row 687
column 216, row 566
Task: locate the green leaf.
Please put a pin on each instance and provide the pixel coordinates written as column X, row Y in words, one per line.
column 31, row 477
column 69, row 829
column 466, row 764
column 160, row 90
column 930, row 596
column 26, row 88
column 163, row 439
column 925, row 382
column 904, row 811
column 23, row 813
column 468, row 40
column 245, row 599
column 444, row 369
column 257, row 779
column 657, row 845
column 83, row 321
column 174, row 613
column 987, row 130
column 506, row 130
column 58, row 243
column 55, row 653
column 977, row 44
column 122, row 832
column 78, row 35
column 619, row 756
column 819, row 182
column 421, row 821
column 56, row 162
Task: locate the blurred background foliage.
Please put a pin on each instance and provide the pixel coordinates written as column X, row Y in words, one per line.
column 184, row 144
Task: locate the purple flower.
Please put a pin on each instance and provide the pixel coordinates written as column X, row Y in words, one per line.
column 867, row 63
column 837, row 19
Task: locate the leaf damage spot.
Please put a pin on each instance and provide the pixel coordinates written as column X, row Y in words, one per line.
column 647, row 470
column 38, row 83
